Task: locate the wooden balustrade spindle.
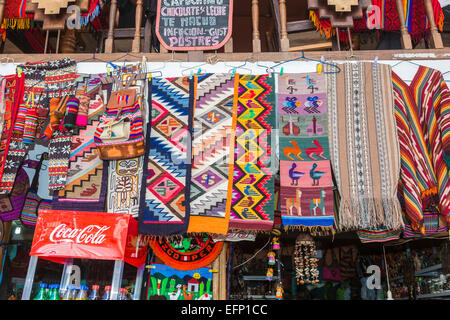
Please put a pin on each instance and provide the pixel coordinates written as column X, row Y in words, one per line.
column 109, row 42
column 436, row 39
column 284, row 41
column 405, row 37
column 255, row 20
column 137, row 34
column 2, row 11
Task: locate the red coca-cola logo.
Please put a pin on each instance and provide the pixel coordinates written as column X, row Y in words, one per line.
column 91, row 234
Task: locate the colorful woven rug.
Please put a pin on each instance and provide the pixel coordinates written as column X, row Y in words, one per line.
column 86, row 183
column 306, row 184
column 187, row 253
column 252, row 204
column 166, row 283
column 213, row 132
column 364, row 146
column 432, row 97
column 164, row 204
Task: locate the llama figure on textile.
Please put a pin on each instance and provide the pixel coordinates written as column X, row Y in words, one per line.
column 175, row 294
column 314, row 152
column 292, row 203
column 318, row 203
column 295, row 151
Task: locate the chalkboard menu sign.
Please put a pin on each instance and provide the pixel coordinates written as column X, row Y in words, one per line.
column 184, row 25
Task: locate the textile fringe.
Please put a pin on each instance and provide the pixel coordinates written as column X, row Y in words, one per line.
column 429, row 192
column 371, row 214
column 252, row 232
column 324, row 31
column 16, row 23
column 146, row 238
column 313, row 230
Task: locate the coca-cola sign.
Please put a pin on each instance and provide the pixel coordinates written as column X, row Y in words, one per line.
column 92, row 234
column 77, row 234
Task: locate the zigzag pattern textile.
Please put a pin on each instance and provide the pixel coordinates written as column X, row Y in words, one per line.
column 213, row 133
column 164, row 204
column 306, row 184
column 252, row 206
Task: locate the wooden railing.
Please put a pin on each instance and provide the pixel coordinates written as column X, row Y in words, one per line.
column 281, row 24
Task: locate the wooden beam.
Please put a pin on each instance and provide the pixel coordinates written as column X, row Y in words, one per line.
column 405, row 37
column 136, row 46
column 255, row 23
column 223, row 272
column 299, row 26
column 229, row 45
column 436, row 39
column 109, row 42
column 314, row 46
column 417, row 54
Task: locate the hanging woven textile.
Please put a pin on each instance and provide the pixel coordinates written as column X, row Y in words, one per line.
column 213, row 132
column 383, row 15
column 364, row 146
column 124, row 186
column 418, row 184
column 46, row 80
column 252, row 204
column 432, row 98
column 306, row 184
column 164, row 204
column 13, row 92
column 87, row 178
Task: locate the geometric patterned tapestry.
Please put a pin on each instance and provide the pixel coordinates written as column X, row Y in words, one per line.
column 212, row 134
column 252, row 205
column 164, row 208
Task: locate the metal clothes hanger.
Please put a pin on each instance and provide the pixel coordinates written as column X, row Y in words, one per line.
column 8, row 59
column 338, row 69
column 235, row 68
column 402, row 61
column 93, row 58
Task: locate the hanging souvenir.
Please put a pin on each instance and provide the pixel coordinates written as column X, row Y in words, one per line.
column 272, row 257
column 269, row 274
column 279, row 292
column 119, row 134
column 186, row 253
column 305, row 259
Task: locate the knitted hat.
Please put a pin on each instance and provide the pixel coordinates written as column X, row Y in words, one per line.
column 71, row 113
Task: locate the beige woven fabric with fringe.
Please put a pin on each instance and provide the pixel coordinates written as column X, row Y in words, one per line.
column 364, row 145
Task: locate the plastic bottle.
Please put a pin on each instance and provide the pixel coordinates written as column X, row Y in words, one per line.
column 94, row 293
column 107, row 294
column 83, row 294
column 123, row 294
column 74, row 294
column 42, row 295
column 54, row 292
